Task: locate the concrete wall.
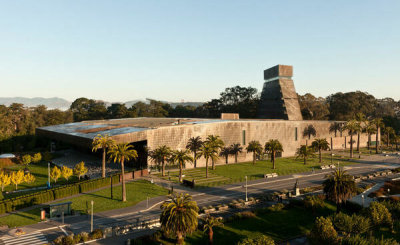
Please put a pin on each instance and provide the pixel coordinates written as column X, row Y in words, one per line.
column 231, row 132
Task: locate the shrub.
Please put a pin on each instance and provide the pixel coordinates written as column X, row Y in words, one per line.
column 393, row 207
column 242, row 215
column 277, row 207
column 84, row 236
column 354, row 224
column 96, row 234
column 59, row 240
column 77, row 238
column 323, row 232
column 379, row 214
column 314, row 202
column 68, row 240
column 262, row 240
column 359, row 240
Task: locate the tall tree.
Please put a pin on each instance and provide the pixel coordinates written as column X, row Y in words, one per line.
column 313, row 108
column 370, row 129
column 215, row 142
column 362, row 121
column 352, row 127
column 339, row 187
column 225, row 152
column 103, row 142
column 272, row 147
column 309, row 131
column 388, row 132
column 121, row 153
column 235, row 150
column 305, row 152
column 194, row 144
column 256, row 148
column 379, row 124
column 345, row 106
column 179, row 216
column 335, row 127
column 209, row 223
column 180, row 157
column 320, row 145
column 160, row 155
column 208, row 152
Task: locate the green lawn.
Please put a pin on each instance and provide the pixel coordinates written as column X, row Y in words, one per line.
column 231, row 173
column 21, row 218
column 136, row 191
column 279, row 225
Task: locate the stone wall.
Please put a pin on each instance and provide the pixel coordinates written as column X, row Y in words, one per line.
column 244, row 131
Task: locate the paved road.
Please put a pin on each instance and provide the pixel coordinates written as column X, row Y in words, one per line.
column 203, row 197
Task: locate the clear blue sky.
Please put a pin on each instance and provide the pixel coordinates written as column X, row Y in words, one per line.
column 191, row 50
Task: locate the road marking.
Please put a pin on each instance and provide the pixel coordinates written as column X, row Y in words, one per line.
column 62, row 229
column 34, row 238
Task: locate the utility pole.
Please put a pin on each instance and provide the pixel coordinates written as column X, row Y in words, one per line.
column 246, row 188
column 91, row 220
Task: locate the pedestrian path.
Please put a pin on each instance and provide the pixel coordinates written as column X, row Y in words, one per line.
column 34, row 238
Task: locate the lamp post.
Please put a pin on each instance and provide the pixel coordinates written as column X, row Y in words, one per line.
column 48, row 174
column 332, row 158
column 91, row 219
column 246, row 187
column 388, row 191
column 362, row 197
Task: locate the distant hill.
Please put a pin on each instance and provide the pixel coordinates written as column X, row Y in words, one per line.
column 62, row 104
column 51, row 103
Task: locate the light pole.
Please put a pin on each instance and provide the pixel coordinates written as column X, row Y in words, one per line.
column 48, row 174
column 388, row 191
column 91, row 219
column 246, row 187
column 362, row 197
column 332, row 158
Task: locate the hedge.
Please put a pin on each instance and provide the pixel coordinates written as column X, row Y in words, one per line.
column 12, row 204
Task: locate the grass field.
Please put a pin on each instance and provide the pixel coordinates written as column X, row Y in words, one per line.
column 136, row 191
column 236, row 172
column 21, row 218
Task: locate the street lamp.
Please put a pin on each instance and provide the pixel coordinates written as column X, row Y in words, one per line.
column 388, row 191
column 91, row 219
column 332, row 158
column 362, row 196
column 246, row 187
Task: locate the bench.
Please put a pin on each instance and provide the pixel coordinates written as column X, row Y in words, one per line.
column 273, row 175
column 188, row 183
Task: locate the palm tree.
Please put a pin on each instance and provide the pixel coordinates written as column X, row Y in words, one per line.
column 335, row 127
column 159, row 155
column 209, row 223
column 225, row 152
column 236, row 149
column 180, row 157
column 179, row 216
column 272, row 147
column 194, row 144
column 120, row 153
column 389, row 131
column 352, row 127
column 379, row 124
column 320, row 145
column 256, row 148
column 102, row 142
column 370, row 129
column 208, row 152
column 309, row 130
column 215, row 142
column 305, row 152
column 339, row 187
column 361, row 119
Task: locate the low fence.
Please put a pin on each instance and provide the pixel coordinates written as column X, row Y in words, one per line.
column 12, row 204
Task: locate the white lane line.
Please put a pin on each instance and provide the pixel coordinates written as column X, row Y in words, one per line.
column 62, row 229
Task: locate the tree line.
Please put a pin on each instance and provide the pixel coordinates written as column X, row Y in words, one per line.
column 18, row 123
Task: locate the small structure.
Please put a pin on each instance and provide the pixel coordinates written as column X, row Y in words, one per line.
column 7, row 155
column 58, row 209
